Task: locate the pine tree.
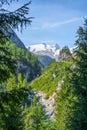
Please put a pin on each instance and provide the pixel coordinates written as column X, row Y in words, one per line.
column 72, row 99
column 11, row 98
column 12, row 92
column 64, row 104
column 15, row 20
column 79, row 81
column 35, row 119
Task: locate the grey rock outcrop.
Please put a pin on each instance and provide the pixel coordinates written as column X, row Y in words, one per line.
column 12, row 36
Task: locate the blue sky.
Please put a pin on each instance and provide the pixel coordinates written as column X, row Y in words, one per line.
column 55, row 21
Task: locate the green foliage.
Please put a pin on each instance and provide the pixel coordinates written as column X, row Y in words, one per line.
column 14, row 91
column 51, row 74
column 71, row 101
column 35, row 118
column 14, row 115
column 7, row 62
column 16, row 19
column 64, row 103
column 79, row 81
column 11, row 98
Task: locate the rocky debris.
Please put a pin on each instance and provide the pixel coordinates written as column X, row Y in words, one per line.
column 59, row 85
column 48, row 104
column 54, row 75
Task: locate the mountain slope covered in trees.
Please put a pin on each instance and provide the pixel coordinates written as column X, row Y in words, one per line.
column 26, row 63
column 17, row 111
column 14, row 111
column 51, row 75
column 71, row 99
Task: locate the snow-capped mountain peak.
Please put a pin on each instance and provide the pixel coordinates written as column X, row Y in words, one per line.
column 45, row 49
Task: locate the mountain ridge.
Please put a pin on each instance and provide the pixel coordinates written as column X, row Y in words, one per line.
column 50, row 50
column 12, row 36
column 45, row 49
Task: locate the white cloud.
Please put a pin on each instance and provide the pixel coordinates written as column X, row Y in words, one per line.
column 49, row 25
column 57, row 24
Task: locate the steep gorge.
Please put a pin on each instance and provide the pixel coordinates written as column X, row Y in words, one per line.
column 47, row 103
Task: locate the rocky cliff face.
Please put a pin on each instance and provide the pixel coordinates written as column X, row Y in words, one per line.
column 28, row 70
column 12, row 36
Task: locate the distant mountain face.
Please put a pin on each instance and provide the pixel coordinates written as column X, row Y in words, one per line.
column 45, row 49
column 43, row 59
column 12, row 36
